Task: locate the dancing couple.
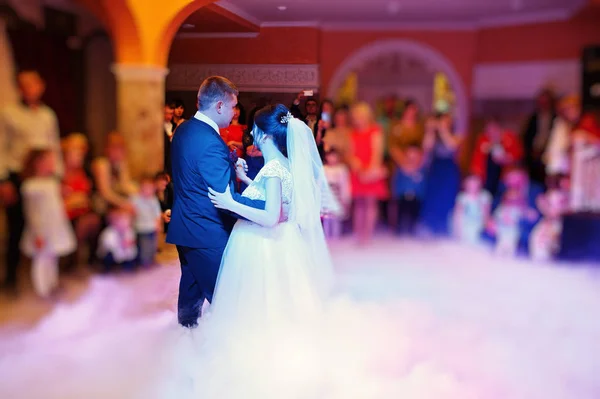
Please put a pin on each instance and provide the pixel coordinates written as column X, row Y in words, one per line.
column 259, row 258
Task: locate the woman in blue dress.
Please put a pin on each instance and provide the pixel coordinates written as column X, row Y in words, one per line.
column 443, row 180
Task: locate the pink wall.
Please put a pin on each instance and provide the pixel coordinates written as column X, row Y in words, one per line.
column 540, row 42
column 272, row 46
column 463, row 48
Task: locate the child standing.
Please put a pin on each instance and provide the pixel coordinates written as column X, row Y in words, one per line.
column 148, row 220
column 48, row 234
column 544, row 241
column 117, row 243
column 472, row 210
column 338, row 177
column 409, row 187
column 507, row 219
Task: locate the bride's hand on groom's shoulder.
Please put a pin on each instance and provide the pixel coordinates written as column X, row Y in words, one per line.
column 221, row 200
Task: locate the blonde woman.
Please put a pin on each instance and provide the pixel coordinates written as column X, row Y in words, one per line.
column 368, row 171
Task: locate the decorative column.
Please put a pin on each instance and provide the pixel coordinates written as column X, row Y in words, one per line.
column 8, row 94
column 140, row 115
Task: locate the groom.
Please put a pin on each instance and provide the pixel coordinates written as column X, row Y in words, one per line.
column 200, row 159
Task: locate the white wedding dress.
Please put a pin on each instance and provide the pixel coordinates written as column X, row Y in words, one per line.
column 262, row 336
column 273, row 330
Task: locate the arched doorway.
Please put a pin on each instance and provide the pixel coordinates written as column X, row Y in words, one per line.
column 408, row 49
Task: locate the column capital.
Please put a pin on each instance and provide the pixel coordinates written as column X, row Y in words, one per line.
column 135, row 72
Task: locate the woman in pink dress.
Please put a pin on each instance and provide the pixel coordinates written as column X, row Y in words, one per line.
column 368, row 171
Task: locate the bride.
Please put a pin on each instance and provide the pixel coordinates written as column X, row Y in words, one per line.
column 259, row 338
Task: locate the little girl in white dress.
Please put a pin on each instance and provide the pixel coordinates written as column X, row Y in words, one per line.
column 48, row 234
column 472, row 211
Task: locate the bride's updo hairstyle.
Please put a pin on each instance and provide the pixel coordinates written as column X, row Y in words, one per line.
column 272, row 120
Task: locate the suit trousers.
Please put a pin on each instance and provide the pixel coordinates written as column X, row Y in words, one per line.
column 199, row 271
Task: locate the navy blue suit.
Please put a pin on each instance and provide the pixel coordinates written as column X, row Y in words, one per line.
column 199, row 160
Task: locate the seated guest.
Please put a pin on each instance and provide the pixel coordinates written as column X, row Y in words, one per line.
column 544, row 242
column 117, row 242
column 111, row 176
column 517, row 179
column 77, row 192
column 495, row 150
column 507, row 221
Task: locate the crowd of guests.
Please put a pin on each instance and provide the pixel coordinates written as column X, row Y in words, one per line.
column 395, row 167
column 398, row 167
column 62, row 206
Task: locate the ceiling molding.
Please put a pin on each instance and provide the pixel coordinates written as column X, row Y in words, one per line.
column 216, row 35
column 290, row 24
column 232, row 8
column 247, row 77
column 143, row 73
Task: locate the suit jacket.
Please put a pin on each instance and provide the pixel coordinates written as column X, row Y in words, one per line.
column 199, row 160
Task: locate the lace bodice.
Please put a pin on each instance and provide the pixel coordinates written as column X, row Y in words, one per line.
column 274, row 168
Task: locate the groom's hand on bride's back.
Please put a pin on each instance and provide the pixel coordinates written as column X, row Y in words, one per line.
column 222, row 200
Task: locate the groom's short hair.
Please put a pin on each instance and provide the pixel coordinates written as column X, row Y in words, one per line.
column 214, row 89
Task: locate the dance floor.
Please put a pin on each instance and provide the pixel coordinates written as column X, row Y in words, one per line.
column 462, row 320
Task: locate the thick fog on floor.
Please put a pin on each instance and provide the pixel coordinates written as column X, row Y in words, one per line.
column 441, row 321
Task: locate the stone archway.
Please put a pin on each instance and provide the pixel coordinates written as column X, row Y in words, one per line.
column 414, row 49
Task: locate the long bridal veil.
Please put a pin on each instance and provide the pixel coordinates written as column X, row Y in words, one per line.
column 312, row 197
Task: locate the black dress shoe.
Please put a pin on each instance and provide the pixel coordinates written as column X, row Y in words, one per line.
column 188, row 324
